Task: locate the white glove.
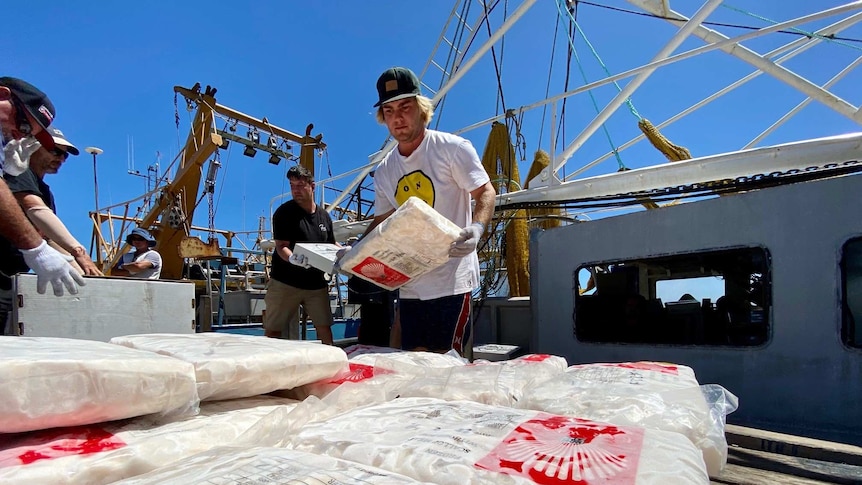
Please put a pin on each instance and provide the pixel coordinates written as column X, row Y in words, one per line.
column 17, row 153
column 467, row 240
column 50, row 265
column 300, row 260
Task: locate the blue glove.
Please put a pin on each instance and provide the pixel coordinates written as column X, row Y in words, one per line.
column 467, row 240
column 300, row 260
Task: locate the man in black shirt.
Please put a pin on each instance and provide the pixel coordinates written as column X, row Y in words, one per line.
column 291, row 285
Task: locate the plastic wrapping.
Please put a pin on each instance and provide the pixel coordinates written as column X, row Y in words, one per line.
column 499, row 383
column 648, row 394
column 231, row 366
column 104, row 453
column 51, row 382
column 412, row 241
column 465, row 442
column 267, row 465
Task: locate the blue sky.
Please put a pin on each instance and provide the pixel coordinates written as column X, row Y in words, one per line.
column 110, row 68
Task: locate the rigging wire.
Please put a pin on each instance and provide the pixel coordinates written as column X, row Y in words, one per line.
column 800, row 33
column 792, row 30
column 548, row 84
column 574, row 52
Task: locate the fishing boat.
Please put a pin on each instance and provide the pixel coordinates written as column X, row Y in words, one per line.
column 743, row 264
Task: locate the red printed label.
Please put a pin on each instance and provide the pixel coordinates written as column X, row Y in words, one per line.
column 650, row 366
column 379, row 272
column 534, row 358
column 57, row 443
column 357, row 373
column 552, row 450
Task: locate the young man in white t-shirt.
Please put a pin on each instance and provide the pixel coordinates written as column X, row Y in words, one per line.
column 443, row 170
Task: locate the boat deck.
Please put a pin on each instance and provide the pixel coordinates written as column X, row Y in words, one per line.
column 763, row 457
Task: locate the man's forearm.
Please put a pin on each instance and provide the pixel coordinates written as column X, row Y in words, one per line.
column 52, row 227
column 483, row 211
column 14, row 225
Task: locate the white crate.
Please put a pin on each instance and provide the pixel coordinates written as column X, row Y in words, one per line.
column 104, row 308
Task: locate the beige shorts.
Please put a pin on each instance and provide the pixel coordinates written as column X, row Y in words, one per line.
column 282, row 308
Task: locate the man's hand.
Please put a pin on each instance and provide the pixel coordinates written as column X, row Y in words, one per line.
column 51, row 266
column 467, row 240
column 83, row 259
column 299, row 260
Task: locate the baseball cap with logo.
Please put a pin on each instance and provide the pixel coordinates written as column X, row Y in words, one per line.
column 397, row 83
column 60, row 140
column 36, row 103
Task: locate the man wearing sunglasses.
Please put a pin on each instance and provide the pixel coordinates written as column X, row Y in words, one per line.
column 35, row 197
column 25, row 111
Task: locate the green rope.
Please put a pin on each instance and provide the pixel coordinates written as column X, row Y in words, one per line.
column 599, row 59
column 794, row 29
column 616, row 153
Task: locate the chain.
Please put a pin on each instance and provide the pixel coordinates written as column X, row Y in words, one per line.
column 699, row 189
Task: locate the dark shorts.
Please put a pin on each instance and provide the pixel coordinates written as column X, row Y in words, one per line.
column 437, row 325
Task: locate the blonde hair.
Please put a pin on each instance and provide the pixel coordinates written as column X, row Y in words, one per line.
column 425, row 107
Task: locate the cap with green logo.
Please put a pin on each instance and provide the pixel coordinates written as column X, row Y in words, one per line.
column 397, row 83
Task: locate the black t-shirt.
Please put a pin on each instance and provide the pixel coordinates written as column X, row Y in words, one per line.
column 292, row 223
column 11, row 260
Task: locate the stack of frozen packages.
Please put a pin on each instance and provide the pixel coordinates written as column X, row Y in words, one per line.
column 105, row 453
column 653, row 395
column 231, row 366
column 51, row 382
column 457, row 442
column 412, row 241
column 267, row 465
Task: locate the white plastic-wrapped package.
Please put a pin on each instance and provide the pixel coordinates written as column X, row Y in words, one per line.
column 499, row 383
column 649, row 394
column 457, row 442
column 417, row 358
column 231, row 366
column 411, row 242
column 104, row 453
column 49, row 382
column 360, row 349
column 227, row 465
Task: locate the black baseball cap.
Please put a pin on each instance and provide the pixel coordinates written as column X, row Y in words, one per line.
column 36, row 103
column 397, row 83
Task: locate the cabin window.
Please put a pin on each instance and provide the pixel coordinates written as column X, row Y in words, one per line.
column 851, row 289
column 715, row 298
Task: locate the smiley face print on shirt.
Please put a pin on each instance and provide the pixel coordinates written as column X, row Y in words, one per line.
column 414, row 184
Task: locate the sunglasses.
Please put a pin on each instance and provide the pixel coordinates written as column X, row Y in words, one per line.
column 136, row 238
column 21, row 119
column 60, row 153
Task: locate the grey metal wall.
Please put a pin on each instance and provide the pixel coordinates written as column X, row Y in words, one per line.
column 804, row 380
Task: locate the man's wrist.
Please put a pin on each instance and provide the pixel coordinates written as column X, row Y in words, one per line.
column 78, row 251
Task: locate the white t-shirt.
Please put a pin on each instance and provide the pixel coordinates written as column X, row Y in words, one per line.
column 442, row 172
column 151, row 256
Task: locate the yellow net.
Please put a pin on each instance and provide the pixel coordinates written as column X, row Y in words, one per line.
column 502, row 167
column 542, row 217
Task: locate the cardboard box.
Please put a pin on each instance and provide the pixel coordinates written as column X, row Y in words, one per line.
column 412, row 241
column 320, row 255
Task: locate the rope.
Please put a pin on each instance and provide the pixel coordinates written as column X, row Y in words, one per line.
column 793, row 29
column 629, row 103
column 607, row 133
